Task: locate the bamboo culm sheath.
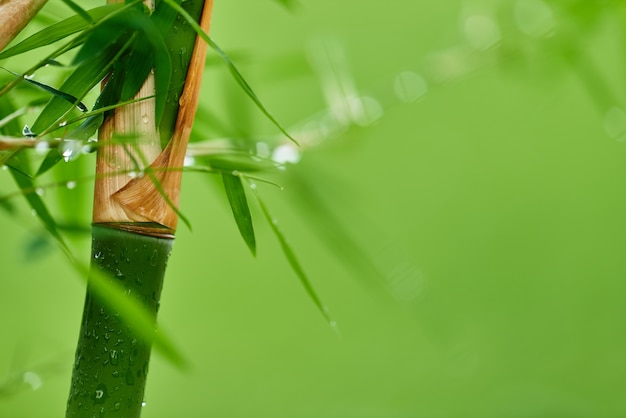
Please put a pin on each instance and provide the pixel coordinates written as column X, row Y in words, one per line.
column 111, row 363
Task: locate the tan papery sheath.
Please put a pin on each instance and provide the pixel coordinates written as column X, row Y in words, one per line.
column 121, row 196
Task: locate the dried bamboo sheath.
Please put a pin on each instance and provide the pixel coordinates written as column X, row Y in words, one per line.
column 120, row 197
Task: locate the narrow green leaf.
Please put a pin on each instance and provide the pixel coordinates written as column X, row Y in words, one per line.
column 231, row 67
column 131, row 311
column 28, row 188
column 159, row 187
column 293, row 260
column 52, row 158
column 58, row 93
column 79, row 11
column 242, row 162
column 59, row 31
column 83, row 79
column 241, row 211
column 148, row 51
column 180, row 40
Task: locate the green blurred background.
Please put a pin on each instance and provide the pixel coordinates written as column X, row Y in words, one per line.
column 461, row 212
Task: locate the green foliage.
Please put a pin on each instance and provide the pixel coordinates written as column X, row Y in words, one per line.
column 231, row 67
column 239, row 205
column 290, row 255
column 59, row 31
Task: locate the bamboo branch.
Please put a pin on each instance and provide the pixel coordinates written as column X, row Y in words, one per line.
column 15, row 16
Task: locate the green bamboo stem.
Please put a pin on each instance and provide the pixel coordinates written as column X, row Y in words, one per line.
column 111, row 363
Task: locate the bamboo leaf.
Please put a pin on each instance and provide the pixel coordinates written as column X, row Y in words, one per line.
column 231, row 67
column 59, row 31
column 148, row 51
column 239, row 205
column 52, row 158
column 180, row 40
column 58, row 93
column 293, row 260
column 132, row 312
column 83, row 79
column 241, row 162
column 28, row 188
column 79, row 10
column 164, row 195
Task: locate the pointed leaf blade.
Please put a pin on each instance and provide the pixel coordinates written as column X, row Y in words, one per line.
column 293, row 260
column 131, row 311
column 27, row 186
column 231, row 67
column 239, row 205
column 59, row 31
column 83, row 79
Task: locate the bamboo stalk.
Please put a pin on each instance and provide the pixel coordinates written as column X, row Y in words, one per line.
column 15, row 16
column 111, row 363
column 134, row 223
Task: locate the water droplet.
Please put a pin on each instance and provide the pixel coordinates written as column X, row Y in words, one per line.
column 534, row 18
column 98, row 255
column 182, row 51
column 262, row 150
column 71, row 185
column 27, row 132
column 100, row 393
column 114, row 357
column 365, row 110
column 145, row 119
column 62, row 124
column 116, row 406
column 28, row 76
column 189, row 161
column 482, row 32
column 32, row 379
column 615, row 123
column 130, row 379
column 409, row 86
column 253, row 186
column 286, row 153
column 143, row 403
column 154, row 258
column 40, row 191
column 42, row 147
column 70, row 150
